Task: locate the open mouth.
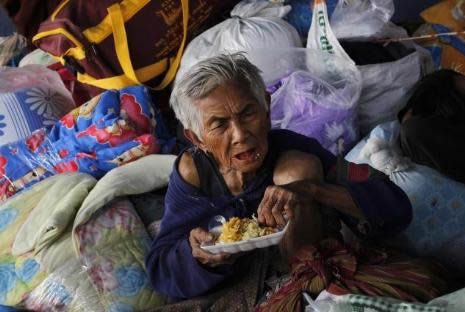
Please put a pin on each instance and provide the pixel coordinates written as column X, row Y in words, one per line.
column 247, row 155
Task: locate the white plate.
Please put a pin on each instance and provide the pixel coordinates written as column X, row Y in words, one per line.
column 246, row 245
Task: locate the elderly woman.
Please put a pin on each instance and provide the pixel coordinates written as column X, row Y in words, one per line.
column 239, row 167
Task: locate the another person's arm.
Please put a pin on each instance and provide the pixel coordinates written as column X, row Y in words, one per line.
column 357, row 193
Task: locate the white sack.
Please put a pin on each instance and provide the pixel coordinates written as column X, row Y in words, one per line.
column 254, row 24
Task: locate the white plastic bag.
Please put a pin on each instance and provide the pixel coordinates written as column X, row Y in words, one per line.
column 385, row 86
column 386, row 89
column 350, row 19
column 357, row 19
column 320, row 36
column 254, row 24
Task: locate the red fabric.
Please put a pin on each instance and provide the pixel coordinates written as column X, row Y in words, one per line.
column 340, row 269
column 80, row 92
column 358, row 173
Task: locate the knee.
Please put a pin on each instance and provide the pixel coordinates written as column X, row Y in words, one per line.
column 295, row 166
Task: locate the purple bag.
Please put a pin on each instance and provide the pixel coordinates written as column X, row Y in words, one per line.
column 308, row 105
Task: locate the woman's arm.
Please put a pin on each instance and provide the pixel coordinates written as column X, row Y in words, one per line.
column 172, row 268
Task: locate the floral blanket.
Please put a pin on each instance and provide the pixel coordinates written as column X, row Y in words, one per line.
column 70, row 243
column 110, row 130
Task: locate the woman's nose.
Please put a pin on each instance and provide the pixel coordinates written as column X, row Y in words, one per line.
column 240, row 133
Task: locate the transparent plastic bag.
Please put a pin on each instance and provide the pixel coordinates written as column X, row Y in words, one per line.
column 68, row 288
column 13, row 79
column 314, row 94
column 350, row 19
column 357, row 19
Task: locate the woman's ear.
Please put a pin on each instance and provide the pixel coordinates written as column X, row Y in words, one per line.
column 191, row 136
column 268, row 101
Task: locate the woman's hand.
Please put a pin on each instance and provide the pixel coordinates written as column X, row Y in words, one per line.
column 279, row 203
column 295, row 201
column 196, row 238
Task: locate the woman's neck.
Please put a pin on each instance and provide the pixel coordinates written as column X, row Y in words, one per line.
column 235, row 180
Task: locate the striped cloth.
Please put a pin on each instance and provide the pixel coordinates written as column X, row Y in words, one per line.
column 361, row 303
column 342, row 270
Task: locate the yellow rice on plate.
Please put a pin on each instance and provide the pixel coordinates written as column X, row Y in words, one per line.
column 236, row 229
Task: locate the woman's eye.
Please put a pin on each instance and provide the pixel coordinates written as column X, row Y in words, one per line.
column 249, row 113
column 218, row 124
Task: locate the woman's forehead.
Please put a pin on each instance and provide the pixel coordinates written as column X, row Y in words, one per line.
column 226, row 98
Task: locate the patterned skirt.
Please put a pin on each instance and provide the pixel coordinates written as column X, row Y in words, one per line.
column 369, row 270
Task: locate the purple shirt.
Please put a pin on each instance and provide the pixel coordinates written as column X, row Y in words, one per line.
column 172, row 269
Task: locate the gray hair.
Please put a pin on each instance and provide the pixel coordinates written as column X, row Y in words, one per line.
column 206, row 76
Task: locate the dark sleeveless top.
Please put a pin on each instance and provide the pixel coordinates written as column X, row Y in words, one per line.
column 212, row 182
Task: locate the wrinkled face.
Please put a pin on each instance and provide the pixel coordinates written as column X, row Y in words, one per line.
column 235, row 128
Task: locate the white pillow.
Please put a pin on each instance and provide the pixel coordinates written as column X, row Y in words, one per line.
column 438, row 225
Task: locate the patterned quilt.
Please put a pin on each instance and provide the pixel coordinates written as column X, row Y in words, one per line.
column 70, row 243
column 110, row 130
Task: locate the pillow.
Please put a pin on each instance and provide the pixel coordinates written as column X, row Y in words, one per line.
column 112, row 247
column 438, row 225
column 31, row 97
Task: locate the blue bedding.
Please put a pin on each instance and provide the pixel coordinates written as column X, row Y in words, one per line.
column 110, row 130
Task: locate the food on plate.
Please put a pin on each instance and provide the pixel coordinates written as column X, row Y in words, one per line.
column 237, row 229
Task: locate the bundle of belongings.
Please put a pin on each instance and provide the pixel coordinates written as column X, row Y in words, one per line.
column 253, row 155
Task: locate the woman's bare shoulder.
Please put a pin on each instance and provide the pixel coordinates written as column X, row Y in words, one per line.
column 188, row 170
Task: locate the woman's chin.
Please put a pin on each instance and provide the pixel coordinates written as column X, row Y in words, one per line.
column 248, row 165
